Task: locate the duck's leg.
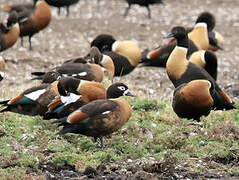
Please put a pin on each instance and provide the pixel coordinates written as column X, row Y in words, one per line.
column 21, row 41
column 127, row 10
column 30, row 43
column 59, row 11
column 101, row 142
column 149, row 12
column 67, row 11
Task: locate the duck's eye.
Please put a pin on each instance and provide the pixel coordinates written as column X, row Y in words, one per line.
column 122, row 88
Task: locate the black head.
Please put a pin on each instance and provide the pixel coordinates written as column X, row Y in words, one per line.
column 95, row 55
column 12, row 19
column 103, row 42
column 51, row 76
column 118, row 89
column 208, row 18
column 178, row 33
column 68, row 85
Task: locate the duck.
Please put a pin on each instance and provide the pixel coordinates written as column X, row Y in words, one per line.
column 31, row 22
column 199, row 34
column 180, row 70
column 216, row 40
column 19, row 7
column 201, row 37
column 126, row 55
column 93, row 69
column 194, row 99
column 99, row 117
column 2, row 67
column 62, row 3
column 33, row 101
column 76, row 93
column 9, row 31
column 145, row 3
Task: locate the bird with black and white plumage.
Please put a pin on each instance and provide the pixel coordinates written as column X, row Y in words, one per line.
column 100, row 117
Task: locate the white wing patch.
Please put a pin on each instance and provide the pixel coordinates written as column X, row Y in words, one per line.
column 115, row 45
column 64, row 75
column 23, row 20
column 106, row 112
column 82, row 74
column 2, row 74
column 70, row 99
column 79, row 74
column 36, row 94
column 203, row 57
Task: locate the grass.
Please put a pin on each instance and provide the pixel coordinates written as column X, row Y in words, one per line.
column 152, row 132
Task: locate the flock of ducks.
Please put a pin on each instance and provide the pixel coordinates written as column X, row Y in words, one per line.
column 73, row 93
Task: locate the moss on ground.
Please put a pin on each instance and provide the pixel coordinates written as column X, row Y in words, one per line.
column 152, row 132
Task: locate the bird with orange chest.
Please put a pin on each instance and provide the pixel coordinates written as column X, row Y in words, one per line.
column 31, row 22
column 180, row 70
column 74, row 94
column 194, row 99
column 100, row 117
column 9, row 31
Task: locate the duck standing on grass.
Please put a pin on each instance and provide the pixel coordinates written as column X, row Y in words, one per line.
column 100, row 117
column 193, row 100
column 181, row 71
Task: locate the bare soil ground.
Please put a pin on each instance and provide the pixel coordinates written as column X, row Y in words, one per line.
column 67, row 37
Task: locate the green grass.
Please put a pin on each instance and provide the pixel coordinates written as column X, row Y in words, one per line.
column 153, row 131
